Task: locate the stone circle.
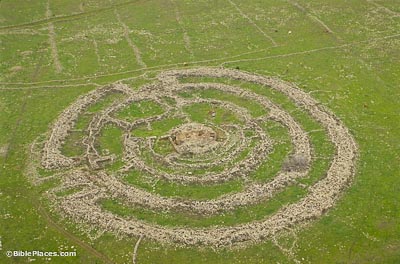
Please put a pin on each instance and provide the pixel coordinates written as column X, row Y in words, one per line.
column 197, row 147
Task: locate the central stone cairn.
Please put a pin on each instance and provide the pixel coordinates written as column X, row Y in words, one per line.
column 202, row 153
column 194, row 139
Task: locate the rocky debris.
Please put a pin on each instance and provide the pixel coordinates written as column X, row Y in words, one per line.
column 296, row 162
column 194, row 138
column 52, row 157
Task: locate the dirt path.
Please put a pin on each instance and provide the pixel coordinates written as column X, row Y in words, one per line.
column 135, row 249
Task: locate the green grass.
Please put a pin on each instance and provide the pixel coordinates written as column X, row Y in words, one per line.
column 83, row 121
column 202, row 113
column 139, row 110
column 358, row 82
column 281, row 149
column 158, row 128
column 73, row 144
column 110, row 140
column 163, row 147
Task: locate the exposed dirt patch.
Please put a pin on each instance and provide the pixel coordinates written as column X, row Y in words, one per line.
column 387, row 225
column 3, row 150
column 16, row 69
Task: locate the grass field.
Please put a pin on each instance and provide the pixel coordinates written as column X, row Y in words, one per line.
column 345, row 54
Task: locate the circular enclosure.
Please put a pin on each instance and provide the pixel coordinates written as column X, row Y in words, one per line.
column 209, row 128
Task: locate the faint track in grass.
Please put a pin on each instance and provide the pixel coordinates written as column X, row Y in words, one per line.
column 336, row 36
column 311, row 15
column 92, row 38
column 310, row 51
column 70, row 17
column 182, row 64
column 32, row 32
column 81, row 8
column 186, row 38
column 14, row 133
column 384, row 8
column 252, row 23
column 50, row 222
column 148, row 69
column 135, row 49
column 135, row 250
column 52, row 41
column 51, row 86
column 285, row 55
column 96, row 50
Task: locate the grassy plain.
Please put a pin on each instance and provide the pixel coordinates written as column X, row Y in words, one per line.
column 345, row 53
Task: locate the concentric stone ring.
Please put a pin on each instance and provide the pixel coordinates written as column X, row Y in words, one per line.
column 227, row 142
